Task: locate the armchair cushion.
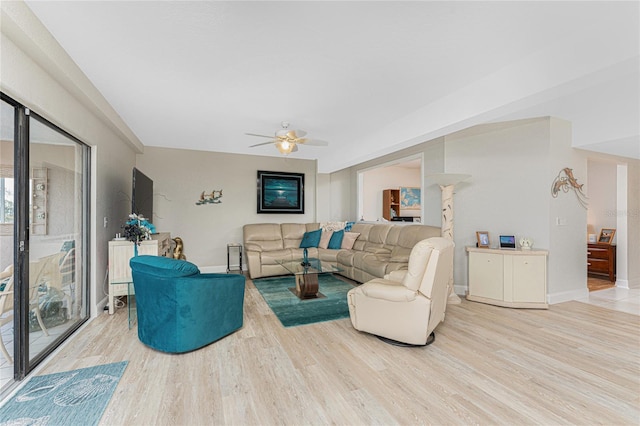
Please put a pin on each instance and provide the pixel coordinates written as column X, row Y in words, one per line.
column 165, row 266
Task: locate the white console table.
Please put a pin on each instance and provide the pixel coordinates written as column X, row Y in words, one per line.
column 509, row 278
column 120, row 252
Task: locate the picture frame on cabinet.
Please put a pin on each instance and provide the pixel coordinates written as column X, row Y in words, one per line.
column 606, row 235
column 483, row 239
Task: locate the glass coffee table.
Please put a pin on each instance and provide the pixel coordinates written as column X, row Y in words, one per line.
column 307, row 276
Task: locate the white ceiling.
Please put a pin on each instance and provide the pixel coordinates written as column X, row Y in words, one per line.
column 369, row 77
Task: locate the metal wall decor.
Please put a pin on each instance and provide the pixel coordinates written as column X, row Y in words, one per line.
column 212, row 198
column 565, row 182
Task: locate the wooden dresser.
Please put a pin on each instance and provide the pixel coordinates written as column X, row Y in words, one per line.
column 601, row 260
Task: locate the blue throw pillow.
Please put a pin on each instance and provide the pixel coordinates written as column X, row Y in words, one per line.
column 336, row 240
column 311, row 239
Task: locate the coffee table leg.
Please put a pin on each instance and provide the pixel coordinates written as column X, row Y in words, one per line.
column 307, row 286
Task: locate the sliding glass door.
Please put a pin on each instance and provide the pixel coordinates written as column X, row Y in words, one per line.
column 49, row 236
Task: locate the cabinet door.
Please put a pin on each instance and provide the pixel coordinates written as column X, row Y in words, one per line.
column 486, row 275
column 529, row 279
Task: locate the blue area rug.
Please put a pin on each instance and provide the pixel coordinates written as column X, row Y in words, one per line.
column 292, row 311
column 77, row 397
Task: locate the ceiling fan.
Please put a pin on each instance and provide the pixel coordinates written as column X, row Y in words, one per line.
column 287, row 140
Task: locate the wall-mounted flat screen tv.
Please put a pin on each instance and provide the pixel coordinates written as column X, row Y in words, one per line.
column 142, row 195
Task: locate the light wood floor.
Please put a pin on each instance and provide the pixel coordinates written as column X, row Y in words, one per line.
column 572, row 364
column 595, row 284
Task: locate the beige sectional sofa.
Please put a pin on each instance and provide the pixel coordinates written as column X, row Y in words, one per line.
column 378, row 250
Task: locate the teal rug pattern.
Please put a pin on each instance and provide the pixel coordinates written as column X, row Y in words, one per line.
column 292, row 311
column 77, row 397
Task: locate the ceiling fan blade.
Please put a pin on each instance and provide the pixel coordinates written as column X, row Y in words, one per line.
column 261, row 136
column 263, row 143
column 312, row 142
column 290, row 134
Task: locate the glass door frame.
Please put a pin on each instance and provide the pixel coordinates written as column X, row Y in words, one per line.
column 22, row 364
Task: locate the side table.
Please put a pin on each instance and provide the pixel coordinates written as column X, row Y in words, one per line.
column 234, row 247
column 131, row 310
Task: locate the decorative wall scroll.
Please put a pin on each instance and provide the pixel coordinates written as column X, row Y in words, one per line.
column 565, row 182
column 212, row 198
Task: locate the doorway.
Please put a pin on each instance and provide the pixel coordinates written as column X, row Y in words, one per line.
column 44, row 238
column 406, row 172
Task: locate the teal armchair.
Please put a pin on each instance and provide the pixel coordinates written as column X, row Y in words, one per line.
column 179, row 309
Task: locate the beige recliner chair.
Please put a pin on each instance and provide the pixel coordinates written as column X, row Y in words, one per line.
column 406, row 306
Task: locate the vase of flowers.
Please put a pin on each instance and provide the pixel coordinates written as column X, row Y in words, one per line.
column 137, row 229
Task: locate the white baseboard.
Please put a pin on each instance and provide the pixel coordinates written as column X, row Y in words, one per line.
column 632, row 283
column 566, row 296
column 460, row 290
column 622, row 283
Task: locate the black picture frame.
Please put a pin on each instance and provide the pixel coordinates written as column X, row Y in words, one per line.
column 280, row 192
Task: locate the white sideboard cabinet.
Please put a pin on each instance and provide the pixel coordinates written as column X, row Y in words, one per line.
column 509, row 278
column 120, row 252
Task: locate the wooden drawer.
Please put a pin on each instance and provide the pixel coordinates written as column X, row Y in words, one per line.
column 597, row 253
column 598, row 265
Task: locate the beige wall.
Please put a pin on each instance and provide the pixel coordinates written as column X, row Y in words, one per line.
column 180, row 176
column 38, row 73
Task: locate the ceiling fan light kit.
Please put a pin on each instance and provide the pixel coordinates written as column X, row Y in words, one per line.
column 285, row 147
column 287, row 140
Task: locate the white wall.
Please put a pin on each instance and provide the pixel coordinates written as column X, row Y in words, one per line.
column 179, row 177
column 602, row 184
column 567, row 219
column 508, row 192
column 40, row 75
column 632, row 214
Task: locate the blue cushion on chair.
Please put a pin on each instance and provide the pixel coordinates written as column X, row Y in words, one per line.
column 335, row 242
column 165, row 266
column 311, row 239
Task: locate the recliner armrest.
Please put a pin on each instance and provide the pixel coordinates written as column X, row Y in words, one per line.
column 391, row 292
column 397, row 276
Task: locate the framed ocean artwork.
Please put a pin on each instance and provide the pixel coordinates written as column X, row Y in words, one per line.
column 410, row 198
column 280, row 192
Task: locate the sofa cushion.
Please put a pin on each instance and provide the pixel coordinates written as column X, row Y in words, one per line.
column 164, row 266
column 349, row 239
column 311, row 239
column 335, row 242
column 262, row 236
column 272, row 257
column 324, row 239
column 292, row 234
column 400, row 254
